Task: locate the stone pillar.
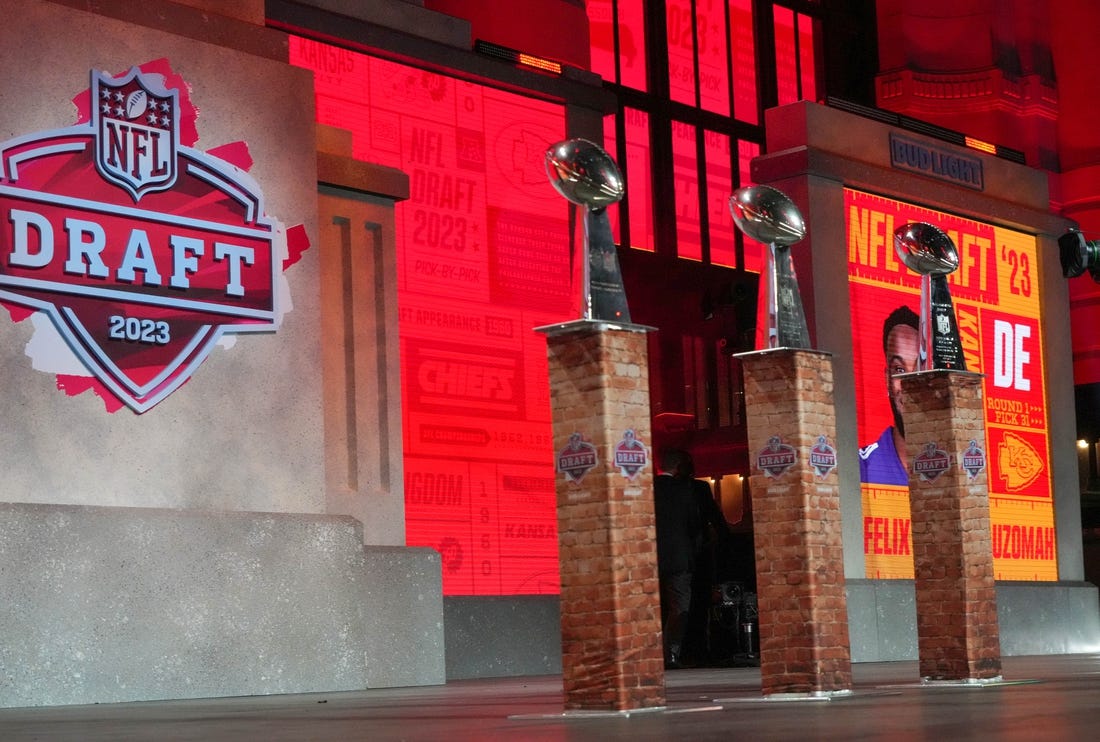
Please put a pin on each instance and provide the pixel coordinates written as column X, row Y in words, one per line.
column 610, row 599
column 361, row 371
column 804, row 647
column 956, row 598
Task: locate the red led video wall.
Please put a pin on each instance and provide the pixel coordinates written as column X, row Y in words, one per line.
column 482, row 260
column 702, row 69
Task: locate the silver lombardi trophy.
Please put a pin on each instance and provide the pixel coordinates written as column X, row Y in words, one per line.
column 585, row 175
column 927, row 250
column 767, row 215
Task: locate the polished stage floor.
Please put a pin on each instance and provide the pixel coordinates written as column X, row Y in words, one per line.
column 1042, row 698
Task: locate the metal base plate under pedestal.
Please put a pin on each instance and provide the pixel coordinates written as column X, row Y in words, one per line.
column 973, row 682
column 582, row 714
column 816, row 696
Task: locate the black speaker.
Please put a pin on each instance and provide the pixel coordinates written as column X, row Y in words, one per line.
column 1078, row 255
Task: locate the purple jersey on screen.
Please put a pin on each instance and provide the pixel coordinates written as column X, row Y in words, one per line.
column 879, row 463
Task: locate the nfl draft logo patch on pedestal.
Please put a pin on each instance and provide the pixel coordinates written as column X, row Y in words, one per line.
column 931, row 462
column 141, row 250
column 630, row 455
column 777, row 458
column 577, row 458
column 822, row 457
column 973, row 460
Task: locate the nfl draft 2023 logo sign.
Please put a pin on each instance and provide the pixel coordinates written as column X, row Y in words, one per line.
column 141, row 250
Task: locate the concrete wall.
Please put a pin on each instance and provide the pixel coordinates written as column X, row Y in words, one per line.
column 209, row 546
column 1033, row 618
column 105, row 605
column 500, row 637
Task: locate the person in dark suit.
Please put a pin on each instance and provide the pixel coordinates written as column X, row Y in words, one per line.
column 710, row 561
column 679, row 531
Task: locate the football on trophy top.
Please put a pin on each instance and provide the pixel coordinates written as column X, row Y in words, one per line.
column 767, row 215
column 926, row 249
column 584, row 174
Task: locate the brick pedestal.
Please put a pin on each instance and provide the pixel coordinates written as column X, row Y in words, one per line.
column 610, row 600
column 804, row 646
column 957, row 632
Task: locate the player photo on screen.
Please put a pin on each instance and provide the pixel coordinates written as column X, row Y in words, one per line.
column 884, row 461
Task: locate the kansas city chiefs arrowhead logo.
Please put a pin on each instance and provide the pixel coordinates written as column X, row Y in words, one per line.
column 142, row 251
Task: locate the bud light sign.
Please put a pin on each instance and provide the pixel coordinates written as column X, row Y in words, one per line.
column 141, row 250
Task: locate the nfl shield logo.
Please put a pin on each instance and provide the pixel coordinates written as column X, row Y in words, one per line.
column 943, row 324
column 136, row 124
